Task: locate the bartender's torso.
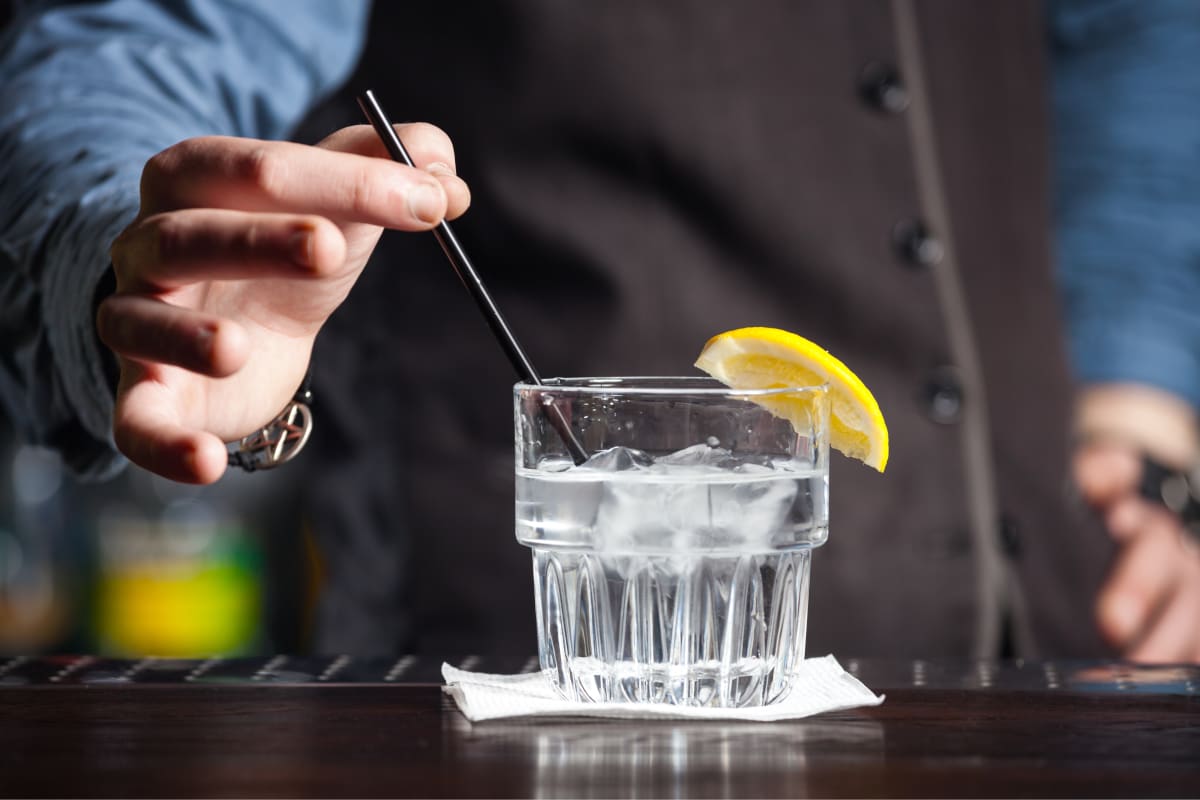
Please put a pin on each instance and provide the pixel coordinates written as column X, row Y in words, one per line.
column 869, row 174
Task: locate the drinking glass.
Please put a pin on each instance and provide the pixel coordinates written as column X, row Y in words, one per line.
column 672, row 566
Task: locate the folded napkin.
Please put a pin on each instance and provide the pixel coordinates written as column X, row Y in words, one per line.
column 820, row 685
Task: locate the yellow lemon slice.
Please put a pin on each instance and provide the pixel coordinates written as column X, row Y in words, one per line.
column 768, row 358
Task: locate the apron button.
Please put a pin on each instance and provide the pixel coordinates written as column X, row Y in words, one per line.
column 880, row 87
column 943, row 396
column 915, row 245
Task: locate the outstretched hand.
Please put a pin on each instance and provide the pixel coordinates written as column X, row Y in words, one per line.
column 1149, row 607
column 240, row 252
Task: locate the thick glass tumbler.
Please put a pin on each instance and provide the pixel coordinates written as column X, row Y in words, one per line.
column 673, row 565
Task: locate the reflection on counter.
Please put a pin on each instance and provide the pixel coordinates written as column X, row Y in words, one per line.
column 608, row 758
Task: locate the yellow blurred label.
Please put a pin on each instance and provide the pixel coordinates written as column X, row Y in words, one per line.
column 177, row 590
column 167, row 611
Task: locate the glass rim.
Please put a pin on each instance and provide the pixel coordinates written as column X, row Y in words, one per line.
column 661, row 385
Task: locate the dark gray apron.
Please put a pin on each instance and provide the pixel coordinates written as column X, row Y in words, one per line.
column 870, row 174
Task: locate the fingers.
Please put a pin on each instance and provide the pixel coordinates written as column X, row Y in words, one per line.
column 1127, row 516
column 1106, row 472
column 148, row 433
column 1174, row 636
column 1147, row 573
column 173, row 249
column 253, row 175
column 429, row 147
column 149, row 330
column 427, row 144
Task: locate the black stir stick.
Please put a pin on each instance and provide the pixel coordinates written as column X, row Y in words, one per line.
column 470, row 278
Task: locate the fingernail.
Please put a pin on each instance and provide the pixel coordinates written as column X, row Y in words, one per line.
column 425, row 202
column 439, row 168
column 300, row 247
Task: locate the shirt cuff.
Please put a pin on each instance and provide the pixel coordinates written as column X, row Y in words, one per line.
column 1111, row 351
column 76, row 259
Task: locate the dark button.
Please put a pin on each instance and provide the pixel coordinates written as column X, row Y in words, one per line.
column 1010, row 536
column 943, row 396
column 915, row 244
column 880, row 87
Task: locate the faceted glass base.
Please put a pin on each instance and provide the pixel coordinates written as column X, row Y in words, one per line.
column 718, row 629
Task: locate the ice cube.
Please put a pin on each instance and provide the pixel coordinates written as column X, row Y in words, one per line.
column 631, row 517
column 618, row 459
column 696, row 499
column 755, row 508
column 695, row 456
column 753, row 468
column 555, row 464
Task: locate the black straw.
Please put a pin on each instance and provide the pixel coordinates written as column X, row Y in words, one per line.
column 470, row 279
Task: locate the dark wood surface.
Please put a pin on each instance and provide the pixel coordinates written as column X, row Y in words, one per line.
column 945, row 730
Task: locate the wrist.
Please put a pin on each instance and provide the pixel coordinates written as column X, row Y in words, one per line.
column 1156, row 422
column 281, row 439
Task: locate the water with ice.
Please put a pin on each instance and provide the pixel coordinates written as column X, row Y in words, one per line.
column 681, row 578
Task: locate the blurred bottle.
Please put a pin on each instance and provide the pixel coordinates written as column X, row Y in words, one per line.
column 39, row 572
column 179, row 570
column 140, row 565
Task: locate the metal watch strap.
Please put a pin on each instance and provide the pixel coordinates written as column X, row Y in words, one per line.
column 279, row 440
column 1178, row 491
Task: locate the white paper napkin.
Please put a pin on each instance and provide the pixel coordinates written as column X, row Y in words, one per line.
column 820, row 685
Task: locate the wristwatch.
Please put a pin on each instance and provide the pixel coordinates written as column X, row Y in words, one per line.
column 1178, row 491
column 281, row 439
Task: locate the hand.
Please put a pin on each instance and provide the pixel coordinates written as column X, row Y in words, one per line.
column 240, row 252
column 1149, row 607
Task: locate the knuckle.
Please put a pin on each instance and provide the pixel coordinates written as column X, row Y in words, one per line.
column 143, row 246
column 167, row 163
column 119, row 251
column 163, row 239
column 262, row 169
column 163, row 163
column 366, row 194
column 163, row 170
column 156, row 177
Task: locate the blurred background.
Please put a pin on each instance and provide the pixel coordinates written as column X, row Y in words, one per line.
column 142, row 566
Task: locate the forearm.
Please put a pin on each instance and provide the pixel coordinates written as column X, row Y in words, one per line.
column 1127, row 161
column 1156, row 422
column 89, row 93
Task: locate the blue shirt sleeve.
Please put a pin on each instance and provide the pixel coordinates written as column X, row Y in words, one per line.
column 88, row 92
column 1126, row 103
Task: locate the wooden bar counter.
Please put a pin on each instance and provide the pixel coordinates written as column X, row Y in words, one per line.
column 339, row 726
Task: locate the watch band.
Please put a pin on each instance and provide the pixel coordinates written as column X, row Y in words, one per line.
column 1178, row 491
column 281, row 439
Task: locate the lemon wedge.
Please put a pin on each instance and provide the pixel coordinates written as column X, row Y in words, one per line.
column 768, row 358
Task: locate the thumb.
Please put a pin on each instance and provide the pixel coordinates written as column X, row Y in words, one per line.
column 1106, row 472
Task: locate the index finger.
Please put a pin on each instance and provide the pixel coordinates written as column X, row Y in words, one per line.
column 264, row 176
column 429, row 146
column 1106, row 471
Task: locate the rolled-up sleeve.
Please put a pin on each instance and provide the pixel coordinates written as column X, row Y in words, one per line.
column 1126, row 104
column 88, row 92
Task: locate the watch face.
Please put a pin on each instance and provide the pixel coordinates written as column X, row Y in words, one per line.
column 1177, row 491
